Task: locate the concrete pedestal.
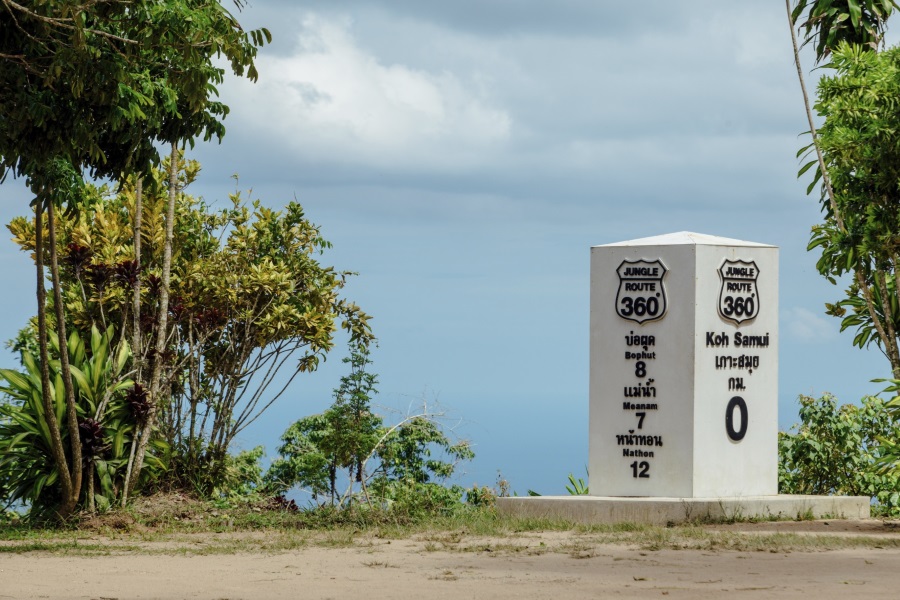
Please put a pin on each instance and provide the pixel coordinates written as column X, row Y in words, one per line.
column 591, row 510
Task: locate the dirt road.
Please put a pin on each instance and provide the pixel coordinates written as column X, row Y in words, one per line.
column 536, row 565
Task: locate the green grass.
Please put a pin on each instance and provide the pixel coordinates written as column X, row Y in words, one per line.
column 177, row 525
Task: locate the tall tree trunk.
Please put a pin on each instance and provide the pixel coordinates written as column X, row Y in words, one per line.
column 137, row 347
column 136, row 302
column 161, row 328
column 826, row 179
column 65, row 370
column 92, row 506
column 56, row 444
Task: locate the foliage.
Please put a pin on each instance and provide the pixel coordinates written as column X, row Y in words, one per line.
column 832, row 22
column 304, row 460
column 419, row 451
column 837, row 450
column 28, row 472
column 354, row 427
column 577, row 487
column 481, row 496
column 413, row 499
column 860, row 235
column 95, row 87
column 890, row 446
column 248, row 295
column 409, row 460
column 102, row 84
column 242, row 477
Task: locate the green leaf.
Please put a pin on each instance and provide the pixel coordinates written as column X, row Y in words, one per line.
column 17, row 380
column 798, row 10
column 83, row 384
column 806, row 167
column 855, row 12
column 122, row 356
column 815, row 180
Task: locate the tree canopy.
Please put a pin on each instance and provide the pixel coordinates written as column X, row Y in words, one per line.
column 859, row 140
column 101, row 84
column 251, row 305
column 828, row 23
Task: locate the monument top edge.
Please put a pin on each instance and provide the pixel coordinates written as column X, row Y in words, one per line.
column 686, row 238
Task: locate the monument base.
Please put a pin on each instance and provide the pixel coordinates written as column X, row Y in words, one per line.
column 662, row 511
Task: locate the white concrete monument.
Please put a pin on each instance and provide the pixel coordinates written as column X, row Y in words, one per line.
column 683, row 388
column 684, row 368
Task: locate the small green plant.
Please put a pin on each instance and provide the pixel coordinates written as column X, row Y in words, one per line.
column 577, row 487
column 108, row 414
column 481, row 496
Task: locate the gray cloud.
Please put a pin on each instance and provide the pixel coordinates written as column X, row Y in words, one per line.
column 511, row 17
column 694, row 106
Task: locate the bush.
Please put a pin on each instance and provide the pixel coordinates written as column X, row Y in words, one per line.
column 837, row 450
column 481, row 496
column 109, row 412
column 399, row 467
column 242, row 478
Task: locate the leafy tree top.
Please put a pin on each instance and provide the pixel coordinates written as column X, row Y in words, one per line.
column 243, row 277
column 860, row 140
column 100, row 84
column 828, row 23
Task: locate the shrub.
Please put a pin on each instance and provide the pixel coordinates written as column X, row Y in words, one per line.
column 837, row 450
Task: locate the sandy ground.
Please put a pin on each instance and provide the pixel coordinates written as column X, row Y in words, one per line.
column 552, row 564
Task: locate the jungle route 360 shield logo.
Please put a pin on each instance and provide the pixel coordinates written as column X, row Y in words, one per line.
column 641, row 296
column 739, row 296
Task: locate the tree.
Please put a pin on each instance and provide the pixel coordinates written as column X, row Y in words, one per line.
column 354, row 425
column 100, row 84
column 304, row 459
column 248, row 295
column 95, row 87
column 409, row 458
column 315, row 448
column 859, row 139
column 857, row 236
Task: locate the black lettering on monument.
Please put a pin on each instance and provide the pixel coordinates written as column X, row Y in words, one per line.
column 640, row 340
column 736, row 403
column 747, row 362
column 736, row 384
column 717, row 340
column 636, row 406
column 640, row 469
column 640, row 390
column 742, row 340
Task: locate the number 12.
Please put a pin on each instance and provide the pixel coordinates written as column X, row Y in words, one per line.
column 644, row 467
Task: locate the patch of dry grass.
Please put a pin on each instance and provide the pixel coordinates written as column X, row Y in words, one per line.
column 177, row 524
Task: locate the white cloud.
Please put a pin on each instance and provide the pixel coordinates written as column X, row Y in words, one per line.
column 804, row 325
column 331, row 101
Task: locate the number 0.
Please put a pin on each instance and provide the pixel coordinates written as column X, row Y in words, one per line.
column 736, row 402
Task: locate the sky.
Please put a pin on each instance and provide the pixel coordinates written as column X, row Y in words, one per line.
column 464, row 156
